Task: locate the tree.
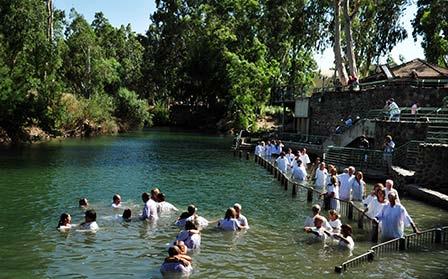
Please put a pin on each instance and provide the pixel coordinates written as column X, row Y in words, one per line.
column 340, row 65
column 431, row 22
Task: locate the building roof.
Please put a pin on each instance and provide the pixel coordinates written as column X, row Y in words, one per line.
column 416, row 69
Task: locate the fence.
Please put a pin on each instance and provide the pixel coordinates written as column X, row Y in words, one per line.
column 415, row 241
column 347, row 208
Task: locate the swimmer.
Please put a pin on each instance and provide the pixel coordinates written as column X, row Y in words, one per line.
column 83, row 203
column 116, row 201
column 65, row 222
column 229, row 222
column 90, row 221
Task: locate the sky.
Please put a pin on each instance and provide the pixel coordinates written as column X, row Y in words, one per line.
column 137, row 12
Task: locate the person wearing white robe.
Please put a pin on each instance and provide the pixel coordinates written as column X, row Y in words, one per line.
column 376, row 205
column 240, row 217
column 321, row 176
column 309, row 221
column 268, row 150
column 298, row 173
column 372, row 195
column 333, row 193
column 190, row 236
column 390, row 188
column 259, row 149
column 345, row 183
column 319, row 231
column 282, row 163
column 358, row 187
column 394, row 217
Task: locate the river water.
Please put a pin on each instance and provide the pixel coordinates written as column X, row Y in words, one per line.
column 39, row 182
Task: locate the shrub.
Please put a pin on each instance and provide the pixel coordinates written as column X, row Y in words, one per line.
column 131, row 110
column 161, row 114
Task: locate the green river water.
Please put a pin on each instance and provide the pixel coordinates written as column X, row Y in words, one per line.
column 39, row 182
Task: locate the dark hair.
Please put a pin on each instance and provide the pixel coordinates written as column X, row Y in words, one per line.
column 116, row 197
column 161, row 197
column 127, row 213
column 91, row 214
column 190, row 225
column 145, row 196
column 230, row 213
column 83, row 202
column 348, row 228
column 173, row 251
column 191, row 209
column 62, row 219
column 184, row 215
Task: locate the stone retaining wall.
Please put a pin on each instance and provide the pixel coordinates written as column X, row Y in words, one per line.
column 327, row 109
column 432, row 166
column 401, row 132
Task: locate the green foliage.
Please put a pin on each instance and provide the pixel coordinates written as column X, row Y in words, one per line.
column 431, row 22
column 131, row 109
column 160, row 114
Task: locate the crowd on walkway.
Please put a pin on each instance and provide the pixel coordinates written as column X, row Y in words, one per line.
column 190, row 224
column 382, row 204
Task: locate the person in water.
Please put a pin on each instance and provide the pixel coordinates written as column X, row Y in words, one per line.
column 229, row 222
column 116, row 201
column 190, row 236
column 240, row 217
column 149, row 209
column 65, row 222
column 127, row 215
column 83, row 203
column 163, row 205
column 345, row 237
column 90, row 221
column 191, row 215
column 318, row 230
column 176, row 262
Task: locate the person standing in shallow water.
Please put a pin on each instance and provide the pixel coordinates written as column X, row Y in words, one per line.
column 240, row 217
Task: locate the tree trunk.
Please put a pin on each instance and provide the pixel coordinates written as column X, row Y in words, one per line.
column 50, row 28
column 342, row 73
column 349, row 40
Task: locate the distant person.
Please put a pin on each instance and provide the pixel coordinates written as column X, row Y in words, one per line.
column 259, row 149
column 309, row 221
column 334, row 221
column 65, row 222
column 303, row 156
column 321, row 176
column 89, row 221
column 376, row 205
column 149, row 208
column 127, row 215
column 390, row 189
column 191, row 215
column 116, row 201
column 394, row 110
column 318, row 230
column 414, row 109
column 388, row 151
column 345, row 237
column 190, row 235
column 364, row 142
column 176, row 263
column 298, row 172
column 394, row 217
column 229, row 222
column 164, row 206
column 345, row 183
column 282, row 163
column 240, row 217
column 358, row 187
column 313, row 167
column 333, row 193
column 83, row 203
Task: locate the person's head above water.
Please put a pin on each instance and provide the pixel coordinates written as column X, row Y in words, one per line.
column 64, row 219
column 161, row 197
column 191, row 209
column 230, row 213
column 127, row 213
column 90, row 215
column 83, row 203
column 145, row 197
column 116, row 199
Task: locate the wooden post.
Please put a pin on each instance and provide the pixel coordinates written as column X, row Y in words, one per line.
column 402, row 244
column 438, row 236
column 241, row 154
column 309, row 195
column 234, row 152
column 371, row 256
column 375, row 231
column 294, row 189
column 360, row 220
column 327, row 202
column 256, row 158
column 247, row 155
column 286, row 182
column 338, row 269
column 350, row 210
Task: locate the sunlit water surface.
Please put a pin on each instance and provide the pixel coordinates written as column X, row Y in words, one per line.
column 39, row 182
